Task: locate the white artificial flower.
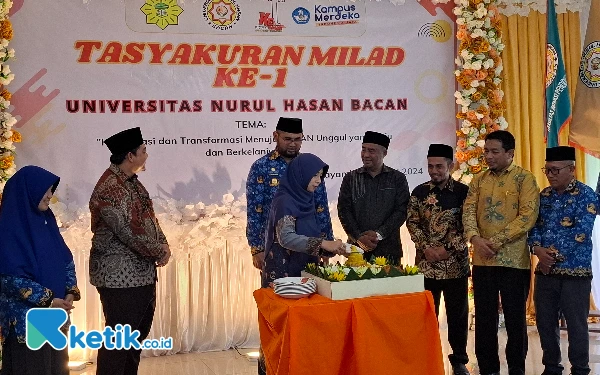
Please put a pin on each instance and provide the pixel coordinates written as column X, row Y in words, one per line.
column 478, row 115
column 466, row 127
column 502, row 122
column 487, row 23
column 7, row 134
column 474, row 83
column 457, row 94
column 480, row 12
column 481, row 143
column 4, row 43
column 456, row 174
column 460, row 21
column 467, row 178
column 11, row 53
column 471, row 141
column 467, row 65
column 228, row 198
column 483, row 131
column 464, row 109
column 476, row 65
column 457, row 73
column 473, row 161
column 465, row 54
column 463, row 166
column 457, row 10
column 489, row 63
column 11, row 121
column 497, row 81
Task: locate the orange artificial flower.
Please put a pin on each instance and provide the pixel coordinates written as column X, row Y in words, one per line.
column 6, row 162
column 476, row 96
column 461, row 143
column 6, row 30
column 472, row 115
column 461, row 34
column 16, row 136
column 475, row 168
column 6, row 94
column 461, row 116
column 461, row 157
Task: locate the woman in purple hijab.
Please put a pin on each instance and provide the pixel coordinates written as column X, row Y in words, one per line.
column 293, row 238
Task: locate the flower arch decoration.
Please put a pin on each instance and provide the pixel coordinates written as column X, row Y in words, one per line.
column 480, row 98
column 8, row 136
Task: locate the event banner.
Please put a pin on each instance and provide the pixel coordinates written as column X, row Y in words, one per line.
column 207, row 80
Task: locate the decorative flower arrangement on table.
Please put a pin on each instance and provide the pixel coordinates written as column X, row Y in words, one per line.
column 356, row 268
column 480, row 98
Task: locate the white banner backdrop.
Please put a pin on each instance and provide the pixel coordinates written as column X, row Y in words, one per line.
column 207, row 104
column 206, row 81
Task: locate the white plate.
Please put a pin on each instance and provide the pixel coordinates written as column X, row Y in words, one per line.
column 349, row 248
column 293, row 281
column 295, row 296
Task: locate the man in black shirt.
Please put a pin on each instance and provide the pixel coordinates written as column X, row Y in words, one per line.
column 435, row 226
column 373, row 200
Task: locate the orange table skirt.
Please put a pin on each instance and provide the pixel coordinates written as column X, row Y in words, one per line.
column 383, row 335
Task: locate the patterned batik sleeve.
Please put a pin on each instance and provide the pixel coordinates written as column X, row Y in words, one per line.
column 323, row 216
column 27, row 290
column 469, row 218
column 161, row 235
column 71, row 287
column 289, row 239
column 114, row 207
column 586, row 216
column 529, row 204
column 254, row 209
column 535, row 234
column 413, row 224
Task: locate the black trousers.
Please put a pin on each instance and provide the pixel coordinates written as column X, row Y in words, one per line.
column 457, row 313
column 133, row 306
column 571, row 297
column 513, row 286
column 18, row 359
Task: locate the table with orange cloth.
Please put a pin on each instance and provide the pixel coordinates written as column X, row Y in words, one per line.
column 396, row 334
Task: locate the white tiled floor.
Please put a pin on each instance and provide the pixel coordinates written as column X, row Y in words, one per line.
column 230, row 362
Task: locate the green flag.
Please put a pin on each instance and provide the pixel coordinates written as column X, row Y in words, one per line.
column 558, row 103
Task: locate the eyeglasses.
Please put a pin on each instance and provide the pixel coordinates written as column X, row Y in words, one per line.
column 553, row 171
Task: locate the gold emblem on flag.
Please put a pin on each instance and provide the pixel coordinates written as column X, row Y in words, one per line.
column 551, row 64
column 589, row 70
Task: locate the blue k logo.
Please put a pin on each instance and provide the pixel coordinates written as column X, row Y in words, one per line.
column 43, row 326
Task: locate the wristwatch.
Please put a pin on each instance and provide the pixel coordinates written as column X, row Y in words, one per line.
column 379, row 236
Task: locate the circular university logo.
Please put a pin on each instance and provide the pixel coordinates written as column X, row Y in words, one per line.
column 589, row 70
column 301, row 16
column 551, row 64
column 221, row 14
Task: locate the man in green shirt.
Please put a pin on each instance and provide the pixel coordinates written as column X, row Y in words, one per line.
column 501, row 207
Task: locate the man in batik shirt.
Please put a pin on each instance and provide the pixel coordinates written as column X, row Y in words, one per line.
column 501, row 207
column 562, row 241
column 263, row 182
column 127, row 246
column 435, row 225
